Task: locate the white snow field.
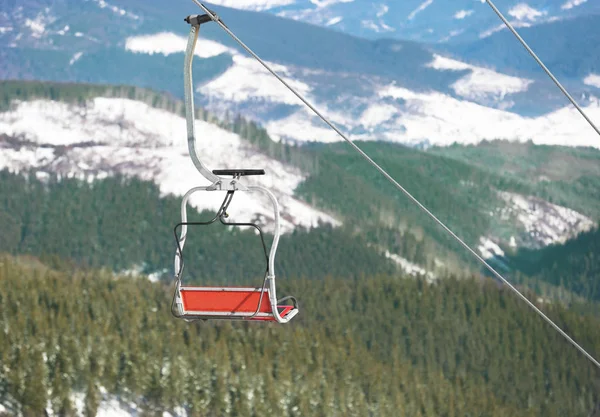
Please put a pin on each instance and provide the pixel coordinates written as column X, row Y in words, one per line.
column 544, row 223
column 392, row 112
column 593, row 80
column 481, row 83
column 109, row 136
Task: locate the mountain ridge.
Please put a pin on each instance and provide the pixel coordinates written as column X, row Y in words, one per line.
column 339, row 72
column 309, row 180
column 428, row 21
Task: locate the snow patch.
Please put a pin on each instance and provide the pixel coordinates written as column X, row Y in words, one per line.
column 315, row 15
column 482, row 84
column 491, row 31
column 334, row 21
column 442, row 63
column 452, row 34
column 572, row 3
column 434, row 118
column 410, row 268
column 75, row 58
column 256, row 5
column 378, row 25
column 377, row 114
column 110, row 406
column 168, row 43
column 437, row 119
column 155, row 276
column 64, row 30
column 303, row 127
column 525, row 23
column 461, row 14
column 489, row 249
column 326, row 3
column 593, row 80
column 523, row 11
column 245, row 80
column 383, row 10
column 108, row 136
column 419, row 9
column 38, row 25
column 248, row 80
column 544, row 223
column 117, row 10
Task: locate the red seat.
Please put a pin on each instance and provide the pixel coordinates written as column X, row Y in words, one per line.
column 233, row 302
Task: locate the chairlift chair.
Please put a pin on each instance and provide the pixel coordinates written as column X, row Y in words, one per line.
column 224, row 303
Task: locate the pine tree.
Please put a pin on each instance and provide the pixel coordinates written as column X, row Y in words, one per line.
column 34, row 396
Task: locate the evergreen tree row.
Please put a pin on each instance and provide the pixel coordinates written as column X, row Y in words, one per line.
column 366, row 347
column 574, row 265
column 120, row 223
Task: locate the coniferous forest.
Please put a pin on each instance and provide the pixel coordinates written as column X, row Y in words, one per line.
column 364, row 347
column 368, row 341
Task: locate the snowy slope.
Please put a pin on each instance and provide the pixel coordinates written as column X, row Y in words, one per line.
column 543, row 223
column 423, row 20
column 538, row 224
column 482, row 84
column 111, row 405
column 398, row 114
column 476, row 109
column 109, row 136
column 438, row 119
column 411, row 268
column 443, row 100
column 430, row 20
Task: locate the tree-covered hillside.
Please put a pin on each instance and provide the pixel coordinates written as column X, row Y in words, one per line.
column 459, row 183
column 118, row 223
column 367, row 347
column 574, row 266
column 562, row 175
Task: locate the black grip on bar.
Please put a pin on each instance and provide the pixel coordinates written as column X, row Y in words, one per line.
column 239, row 172
column 197, row 20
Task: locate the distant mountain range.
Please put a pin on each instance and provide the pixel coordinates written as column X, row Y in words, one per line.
column 498, row 196
column 385, row 89
column 421, row 20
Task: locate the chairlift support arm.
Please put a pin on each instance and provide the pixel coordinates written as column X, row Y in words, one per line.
column 266, row 309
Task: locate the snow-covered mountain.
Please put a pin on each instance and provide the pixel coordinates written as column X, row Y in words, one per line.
column 476, row 107
column 426, row 20
column 107, row 136
column 375, row 90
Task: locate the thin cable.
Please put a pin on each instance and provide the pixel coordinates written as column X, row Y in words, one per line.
column 400, row 187
column 541, row 64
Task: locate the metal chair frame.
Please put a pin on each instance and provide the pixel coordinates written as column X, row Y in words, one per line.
column 267, row 308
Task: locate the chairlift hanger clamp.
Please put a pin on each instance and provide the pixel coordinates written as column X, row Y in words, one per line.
column 200, row 19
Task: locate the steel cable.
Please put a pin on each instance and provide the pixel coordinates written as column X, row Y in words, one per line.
column 216, row 19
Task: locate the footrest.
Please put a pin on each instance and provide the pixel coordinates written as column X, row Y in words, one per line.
column 239, row 172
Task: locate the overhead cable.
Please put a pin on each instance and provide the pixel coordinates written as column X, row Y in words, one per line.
column 541, row 64
column 383, row 172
